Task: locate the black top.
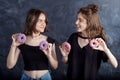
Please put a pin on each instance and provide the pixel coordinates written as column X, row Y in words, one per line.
column 83, row 63
column 33, row 57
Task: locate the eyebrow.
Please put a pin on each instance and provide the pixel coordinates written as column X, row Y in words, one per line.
column 41, row 19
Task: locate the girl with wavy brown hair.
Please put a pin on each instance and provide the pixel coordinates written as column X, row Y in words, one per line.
column 37, row 61
column 88, row 46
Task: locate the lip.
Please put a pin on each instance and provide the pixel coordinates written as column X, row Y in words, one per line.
column 42, row 27
column 78, row 28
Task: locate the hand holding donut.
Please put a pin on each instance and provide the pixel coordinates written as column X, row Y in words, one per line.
column 18, row 39
column 43, row 45
column 65, row 48
column 98, row 44
column 46, row 47
column 94, row 43
column 21, row 38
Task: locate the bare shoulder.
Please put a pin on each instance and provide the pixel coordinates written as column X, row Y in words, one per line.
column 43, row 36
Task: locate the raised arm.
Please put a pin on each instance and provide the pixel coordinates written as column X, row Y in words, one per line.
column 112, row 60
column 51, row 55
column 65, row 49
column 103, row 47
column 13, row 53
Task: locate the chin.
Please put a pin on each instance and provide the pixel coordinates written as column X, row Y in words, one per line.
column 42, row 31
column 78, row 30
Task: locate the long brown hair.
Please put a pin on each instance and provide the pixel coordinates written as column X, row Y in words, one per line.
column 94, row 28
column 31, row 20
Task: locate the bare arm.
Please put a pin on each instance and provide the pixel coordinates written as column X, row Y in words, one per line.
column 13, row 53
column 51, row 54
column 111, row 58
column 64, row 55
column 12, row 56
column 103, row 47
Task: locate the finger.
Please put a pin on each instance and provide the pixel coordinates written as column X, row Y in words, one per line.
column 60, row 47
column 100, row 40
column 53, row 45
column 14, row 37
column 96, row 48
column 50, row 45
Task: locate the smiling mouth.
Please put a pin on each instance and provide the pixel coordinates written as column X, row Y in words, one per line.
column 78, row 27
column 42, row 27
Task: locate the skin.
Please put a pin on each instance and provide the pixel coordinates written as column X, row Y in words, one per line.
column 33, row 40
column 81, row 25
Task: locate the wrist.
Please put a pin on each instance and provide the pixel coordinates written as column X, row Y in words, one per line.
column 106, row 50
column 49, row 56
column 13, row 45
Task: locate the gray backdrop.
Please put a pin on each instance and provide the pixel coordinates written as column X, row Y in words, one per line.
column 61, row 15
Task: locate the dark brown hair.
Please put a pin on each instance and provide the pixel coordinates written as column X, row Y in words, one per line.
column 31, row 20
column 94, row 28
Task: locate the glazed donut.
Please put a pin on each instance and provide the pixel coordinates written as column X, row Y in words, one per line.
column 93, row 43
column 43, row 45
column 21, row 38
column 66, row 46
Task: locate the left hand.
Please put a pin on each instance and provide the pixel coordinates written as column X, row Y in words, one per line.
column 101, row 45
column 48, row 51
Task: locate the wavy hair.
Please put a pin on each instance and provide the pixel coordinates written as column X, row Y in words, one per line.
column 94, row 26
column 31, row 20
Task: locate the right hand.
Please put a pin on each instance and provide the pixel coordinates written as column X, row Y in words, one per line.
column 63, row 50
column 14, row 40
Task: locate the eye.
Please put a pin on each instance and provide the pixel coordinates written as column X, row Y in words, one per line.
column 80, row 20
column 39, row 20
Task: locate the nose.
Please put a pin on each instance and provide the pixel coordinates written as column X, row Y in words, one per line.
column 76, row 22
column 43, row 23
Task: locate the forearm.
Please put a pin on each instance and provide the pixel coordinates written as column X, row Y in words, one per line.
column 111, row 58
column 64, row 56
column 53, row 62
column 11, row 57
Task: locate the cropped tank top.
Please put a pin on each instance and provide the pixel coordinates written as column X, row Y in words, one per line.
column 33, row 57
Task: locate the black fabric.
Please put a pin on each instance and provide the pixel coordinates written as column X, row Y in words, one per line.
column 83, row 63
column 33, row 57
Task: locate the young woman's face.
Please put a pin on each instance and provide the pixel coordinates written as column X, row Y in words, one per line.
column 81, row 23
column 41, row 24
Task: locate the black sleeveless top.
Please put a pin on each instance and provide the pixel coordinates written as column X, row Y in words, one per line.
column 33, row 57
column 83, row 63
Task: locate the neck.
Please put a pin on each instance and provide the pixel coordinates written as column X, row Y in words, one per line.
column 35, row 35
column 83, row 34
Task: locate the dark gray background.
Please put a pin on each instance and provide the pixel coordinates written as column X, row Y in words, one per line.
column 61, row 15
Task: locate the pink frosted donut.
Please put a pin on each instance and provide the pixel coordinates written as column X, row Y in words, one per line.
column 43, row 45
column 21, row 38
column 66, row 46
column 93, row 43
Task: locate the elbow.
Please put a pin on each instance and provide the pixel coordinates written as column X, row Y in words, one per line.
column 9, row 67
column 116, row 65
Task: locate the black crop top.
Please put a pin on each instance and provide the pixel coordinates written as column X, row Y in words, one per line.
column 33, row 57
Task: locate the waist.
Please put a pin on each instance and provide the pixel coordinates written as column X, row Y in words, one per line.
column 35, row 74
